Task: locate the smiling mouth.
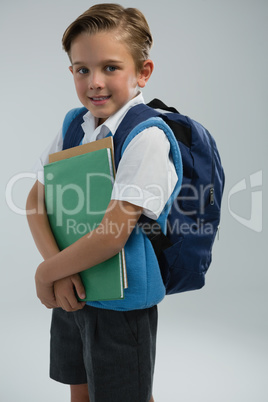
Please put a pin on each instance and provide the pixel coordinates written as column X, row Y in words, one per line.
column 99, row 99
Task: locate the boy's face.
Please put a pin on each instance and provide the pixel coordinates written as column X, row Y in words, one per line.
column 104, row 73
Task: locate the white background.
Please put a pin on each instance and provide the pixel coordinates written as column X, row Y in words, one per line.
column 211, row 63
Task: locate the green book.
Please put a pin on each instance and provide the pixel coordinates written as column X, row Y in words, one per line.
column 77, row 193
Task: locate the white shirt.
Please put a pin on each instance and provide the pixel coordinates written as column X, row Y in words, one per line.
column 145, row 176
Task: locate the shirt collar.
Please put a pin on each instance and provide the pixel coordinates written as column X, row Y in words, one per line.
column 93, row 133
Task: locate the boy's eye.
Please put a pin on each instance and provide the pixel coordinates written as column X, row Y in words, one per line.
column 110, row 69
column 83, row 70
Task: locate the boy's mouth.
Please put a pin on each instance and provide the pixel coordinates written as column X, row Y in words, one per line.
column 99, row 100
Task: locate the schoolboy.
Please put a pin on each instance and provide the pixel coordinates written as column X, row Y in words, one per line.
column 106, row 350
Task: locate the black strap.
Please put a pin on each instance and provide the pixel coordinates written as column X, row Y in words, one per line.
column 158, row 104
column 182, row 132
column 153, row 231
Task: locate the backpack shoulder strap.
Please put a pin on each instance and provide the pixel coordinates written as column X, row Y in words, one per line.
column 138, row 119
column 133, row 118
column 72, row 131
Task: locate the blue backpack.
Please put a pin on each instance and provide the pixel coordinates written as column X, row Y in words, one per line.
column 184, row 251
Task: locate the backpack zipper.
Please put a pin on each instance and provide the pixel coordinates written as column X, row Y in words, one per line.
column 211, row 191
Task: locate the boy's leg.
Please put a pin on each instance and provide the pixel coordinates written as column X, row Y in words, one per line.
column 119, row 353
column 66, row 350
column 79, row 393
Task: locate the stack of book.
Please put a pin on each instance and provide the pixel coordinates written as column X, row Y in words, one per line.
column 78, row 187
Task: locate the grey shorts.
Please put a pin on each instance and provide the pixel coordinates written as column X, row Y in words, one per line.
column 112, row 351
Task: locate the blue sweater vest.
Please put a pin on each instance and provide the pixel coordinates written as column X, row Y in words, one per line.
column 145, row 285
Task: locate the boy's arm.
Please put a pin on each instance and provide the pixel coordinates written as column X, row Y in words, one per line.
column 46, row 244
column 38, row 222
column 97, row 246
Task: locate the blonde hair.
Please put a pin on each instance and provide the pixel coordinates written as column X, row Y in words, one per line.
column 129, row 24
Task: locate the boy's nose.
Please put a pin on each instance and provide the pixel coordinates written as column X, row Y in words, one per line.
column 96, row 81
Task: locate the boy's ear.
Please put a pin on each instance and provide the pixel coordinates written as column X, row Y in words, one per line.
column 145, row 73
column 71, row 69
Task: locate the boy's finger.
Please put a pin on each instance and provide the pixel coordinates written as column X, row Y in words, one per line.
column 73, row 302
column 79, row 287
column 48, row 304
column 70, row 304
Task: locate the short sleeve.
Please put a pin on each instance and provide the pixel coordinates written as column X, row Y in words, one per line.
column 55, row 146
column 146, row 175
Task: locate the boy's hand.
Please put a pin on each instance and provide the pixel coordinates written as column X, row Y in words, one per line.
column 65, row 294
column 45, row 292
